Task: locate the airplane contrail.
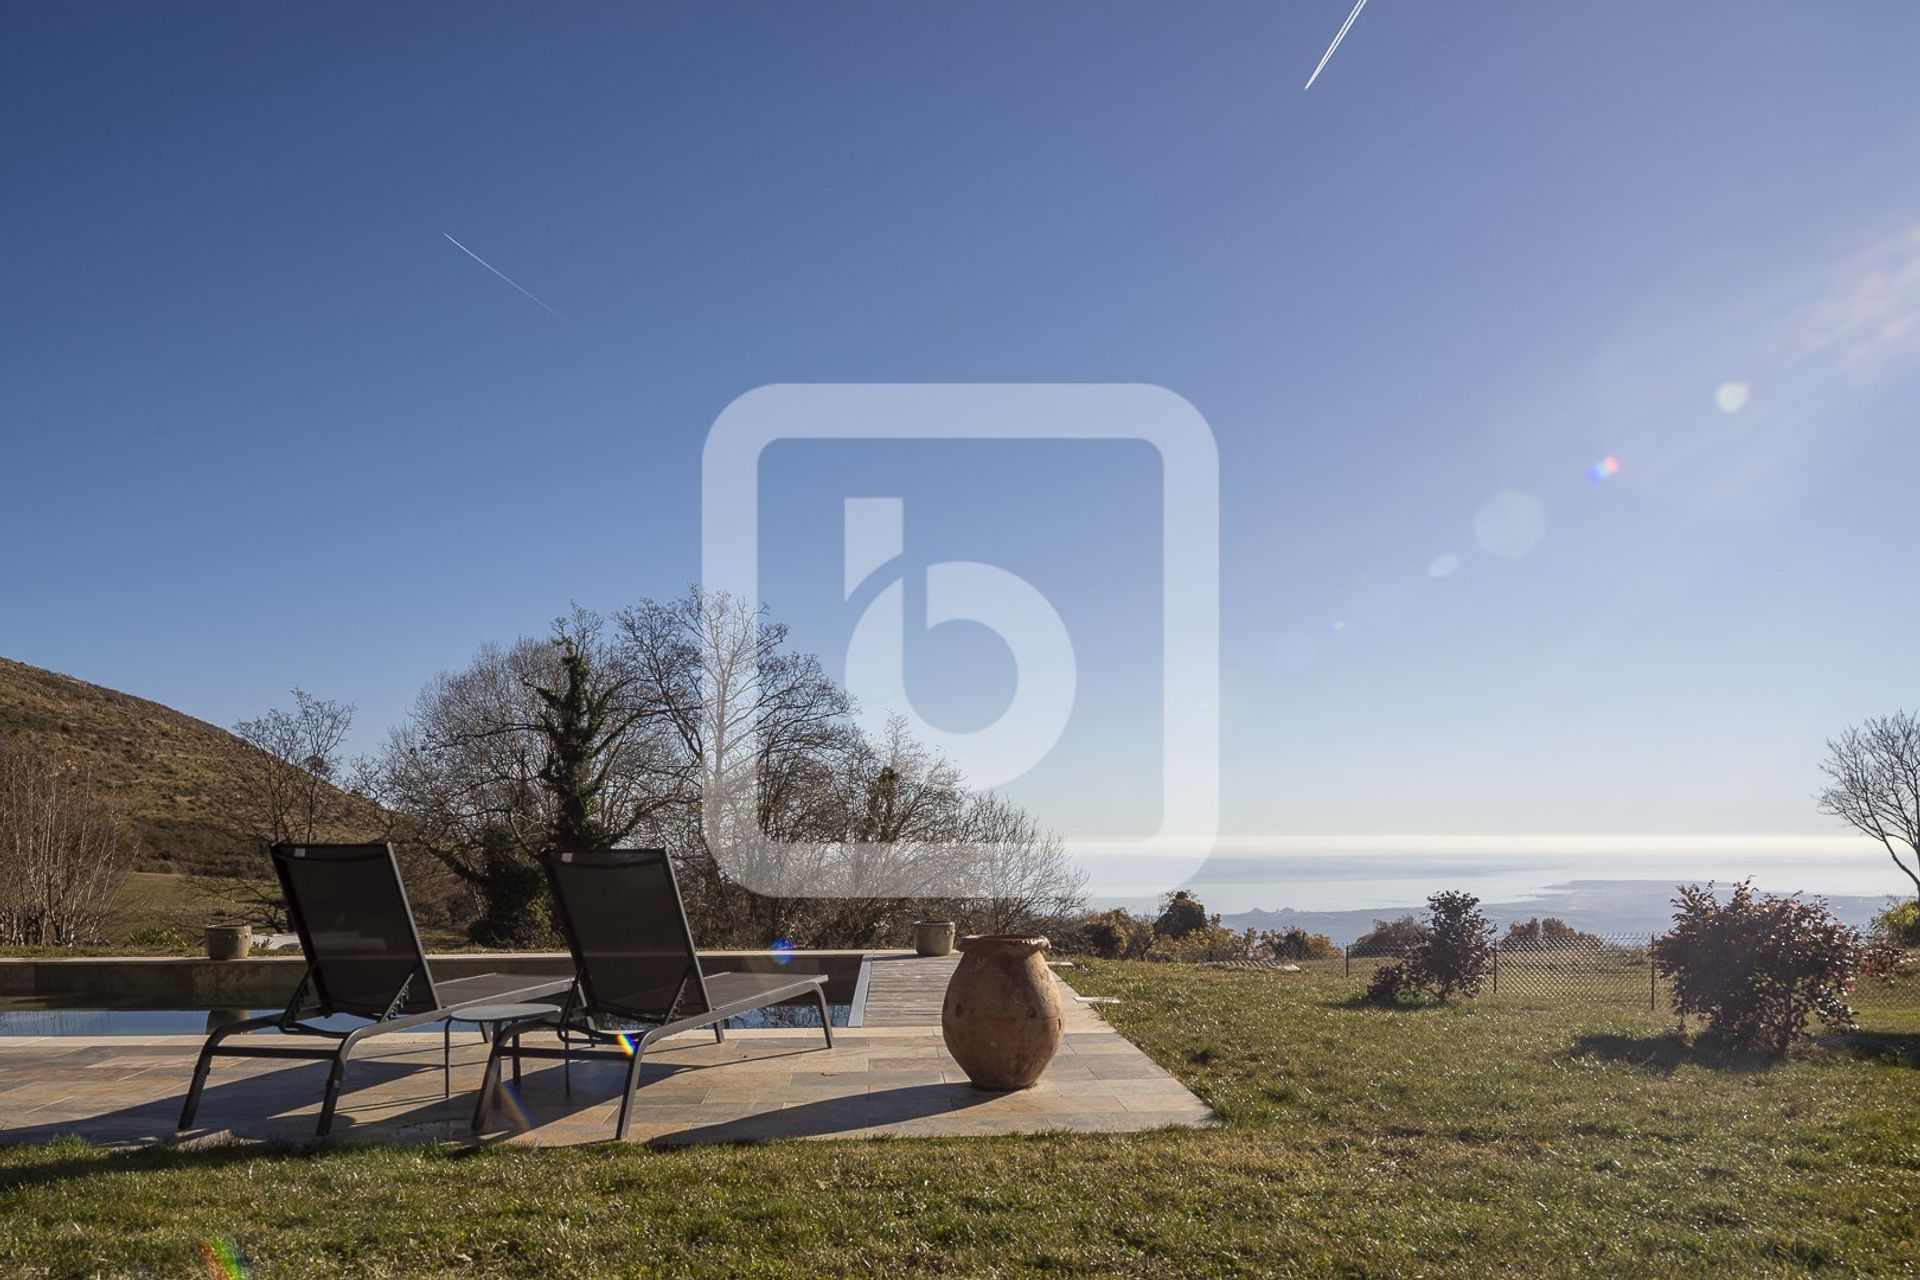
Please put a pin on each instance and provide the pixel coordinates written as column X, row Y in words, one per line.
column 527, row 292
column 1328, row 55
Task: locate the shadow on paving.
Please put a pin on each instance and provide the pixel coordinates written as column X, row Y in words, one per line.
column 281, row 1106
column 830, row 1116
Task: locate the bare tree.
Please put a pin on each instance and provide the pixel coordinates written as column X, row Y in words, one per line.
column 1874, row 784
column 752, row 727
column 548, row 742
column 295, row 775
column 1020, row 873
column 63, row 855
column 835, row 837
column 689, row 726
column 297, row 787
column 886, row 832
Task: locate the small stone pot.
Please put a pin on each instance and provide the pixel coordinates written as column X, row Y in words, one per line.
column 1001, row 1018
column 933, row 937
column 229, row 941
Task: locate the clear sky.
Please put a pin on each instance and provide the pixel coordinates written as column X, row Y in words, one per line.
column 265, row 424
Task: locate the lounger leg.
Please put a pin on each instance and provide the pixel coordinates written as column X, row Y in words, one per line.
column 446, row 1058
column 515, row 1050
column 205, row 1063
column 334, row 1075
column 337, row 1073
column 719, row 1034
column 633, row 1083
column 200, row 1069
column 826, row 1014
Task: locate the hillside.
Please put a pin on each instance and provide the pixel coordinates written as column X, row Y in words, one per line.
column 175, row 780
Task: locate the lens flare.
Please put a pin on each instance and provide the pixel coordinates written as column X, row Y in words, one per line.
column 223, row 1260
column 783, row 950
column 1510, row 524
column 1732, row 397
column 517, row 1112
column 1604, row 470
column 1443, row 566
column 625, row 1042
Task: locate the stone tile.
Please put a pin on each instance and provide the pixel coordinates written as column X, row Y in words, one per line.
column 760, row 1083
column 901, row 1060
column 1140, row 1068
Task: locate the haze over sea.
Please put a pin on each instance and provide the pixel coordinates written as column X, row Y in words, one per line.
column 1617, row 884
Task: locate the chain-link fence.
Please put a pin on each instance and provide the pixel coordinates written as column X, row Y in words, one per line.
column 1584, row 967
column 1614, row 970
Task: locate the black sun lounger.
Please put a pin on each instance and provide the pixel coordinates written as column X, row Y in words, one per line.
column 364, row 959
column 633, row 950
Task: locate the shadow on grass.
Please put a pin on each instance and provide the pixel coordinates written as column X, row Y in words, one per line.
column 1364, row 1003
column 1669, row 1051
column 71, row 1158
column 1901, row 1048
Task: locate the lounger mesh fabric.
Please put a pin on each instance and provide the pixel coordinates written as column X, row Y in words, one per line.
column 635, row 961
column 356, row 928
column 622, row 916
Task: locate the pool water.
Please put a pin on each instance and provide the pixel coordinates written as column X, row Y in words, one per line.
column 30, row 1017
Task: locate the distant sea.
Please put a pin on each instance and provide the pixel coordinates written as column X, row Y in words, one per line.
column 1625, row 890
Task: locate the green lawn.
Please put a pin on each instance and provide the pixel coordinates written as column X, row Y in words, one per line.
column 1470, row 1141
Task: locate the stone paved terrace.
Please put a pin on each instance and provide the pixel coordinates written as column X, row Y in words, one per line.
column 892, row 1076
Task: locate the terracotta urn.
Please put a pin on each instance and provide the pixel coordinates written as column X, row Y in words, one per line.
column 933, row 937
column 1002, row 1018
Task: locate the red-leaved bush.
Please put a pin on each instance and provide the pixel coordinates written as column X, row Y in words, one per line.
column 1758, row 967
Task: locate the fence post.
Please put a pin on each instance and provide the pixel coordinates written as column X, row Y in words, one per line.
column 1346, row 956
column 1496, row 971
column 1653, row 980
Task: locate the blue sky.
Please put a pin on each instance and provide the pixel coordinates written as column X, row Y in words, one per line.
column 265, row 425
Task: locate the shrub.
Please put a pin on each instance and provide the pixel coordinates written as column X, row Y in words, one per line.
column 1180, row 914
column 1550, row 934
column 1899, row 924
column 163, row 938
column 1459, row 956
column 1210, row 942
column 1455, row 958
column 1390, row 938
column 1112, row 935
column 1298, row 944
column 1394, row 983
column 1758, row 967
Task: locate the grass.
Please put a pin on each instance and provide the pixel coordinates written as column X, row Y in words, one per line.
column 1618, row 978
column 159, row 913
column 1469, row 1141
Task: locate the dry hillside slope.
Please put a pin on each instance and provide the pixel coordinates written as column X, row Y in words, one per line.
column 175, row 780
